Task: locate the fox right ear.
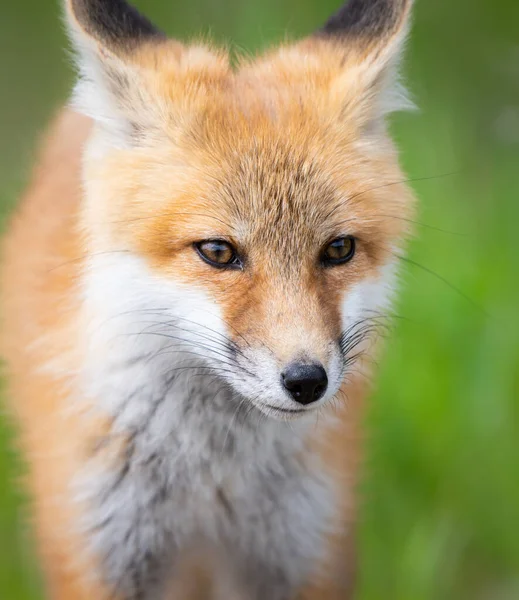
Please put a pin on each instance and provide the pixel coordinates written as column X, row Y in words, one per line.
column 109, row 37
column 369, row 36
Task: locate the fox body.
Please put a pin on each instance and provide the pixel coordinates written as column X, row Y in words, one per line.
column 191, row 289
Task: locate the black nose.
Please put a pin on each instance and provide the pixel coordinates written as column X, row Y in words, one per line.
column 306, row 383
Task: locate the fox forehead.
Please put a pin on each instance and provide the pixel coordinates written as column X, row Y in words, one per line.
column 294, row 180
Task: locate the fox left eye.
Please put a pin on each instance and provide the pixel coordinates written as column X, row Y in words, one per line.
column 218, row 253
column 339, row 251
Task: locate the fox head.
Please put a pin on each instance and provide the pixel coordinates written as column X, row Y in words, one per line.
column 247, row 217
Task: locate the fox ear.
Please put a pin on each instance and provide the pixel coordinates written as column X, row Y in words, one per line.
column 109, row 37
column 370, row 35
column 112, row 24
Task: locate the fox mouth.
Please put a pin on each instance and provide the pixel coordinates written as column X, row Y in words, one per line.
column 274, row 411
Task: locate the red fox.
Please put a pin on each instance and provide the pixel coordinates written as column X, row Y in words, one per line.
column 192, row 289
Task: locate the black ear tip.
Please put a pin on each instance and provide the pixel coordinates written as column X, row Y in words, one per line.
column 365, row 18
column 114, row 22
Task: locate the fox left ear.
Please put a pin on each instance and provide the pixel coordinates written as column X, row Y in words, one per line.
column 120, row 55
column 367, row 37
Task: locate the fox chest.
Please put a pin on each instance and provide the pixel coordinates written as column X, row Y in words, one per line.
column 254, row 500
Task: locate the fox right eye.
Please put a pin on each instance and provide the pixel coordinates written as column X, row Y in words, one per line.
column 339, row 251
column 218, row 253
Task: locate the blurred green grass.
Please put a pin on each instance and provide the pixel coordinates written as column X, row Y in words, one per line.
column 441, row 495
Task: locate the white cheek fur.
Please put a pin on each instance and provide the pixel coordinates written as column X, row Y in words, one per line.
column 130, row 314
column 365, row 309
column 370, row 297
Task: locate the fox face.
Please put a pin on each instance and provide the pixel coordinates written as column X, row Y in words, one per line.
column 253, row 213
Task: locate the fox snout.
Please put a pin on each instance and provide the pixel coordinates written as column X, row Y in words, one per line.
column 288, row 346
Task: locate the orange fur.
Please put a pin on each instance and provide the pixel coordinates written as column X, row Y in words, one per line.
column 41, row 257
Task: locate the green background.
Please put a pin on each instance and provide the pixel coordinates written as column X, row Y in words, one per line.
column 441, row 494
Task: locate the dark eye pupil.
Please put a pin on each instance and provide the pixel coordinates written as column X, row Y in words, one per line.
column 339, row 248
column 219, row 251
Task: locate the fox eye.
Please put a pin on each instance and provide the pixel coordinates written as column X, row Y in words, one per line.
column 218, row 253
column 339, row 251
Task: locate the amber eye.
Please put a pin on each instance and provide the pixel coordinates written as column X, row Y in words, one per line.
column 339, row 251
column 218, row 253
